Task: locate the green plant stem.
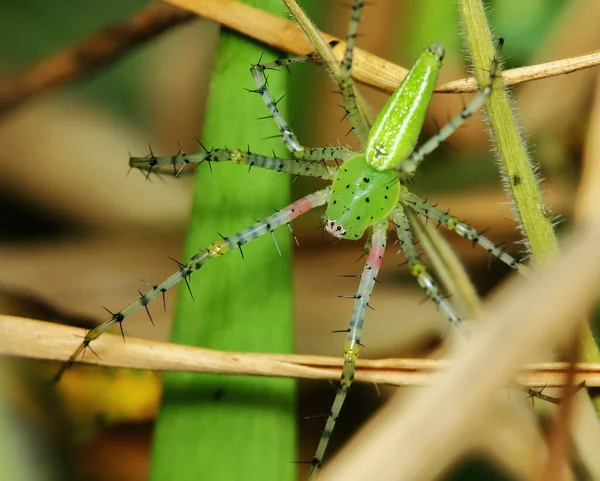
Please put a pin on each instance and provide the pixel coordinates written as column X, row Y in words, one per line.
column 517, row 171
column 516, row 168
column 217, row 427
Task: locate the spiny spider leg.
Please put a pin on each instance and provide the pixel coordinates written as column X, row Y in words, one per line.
column 289, row 138
column 356, row 115
column 419, row 270
column 217, row 249
column 295, row 166
column 450, row 222
column 327, row 153
column 287, row 61
column 353, row 103
column 408, row 168
column 352, row 346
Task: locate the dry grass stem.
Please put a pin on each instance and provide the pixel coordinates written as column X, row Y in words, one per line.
column 438, row 422
column 42, row 340
column 588, row 195
column 366, row 68
column 106, row 46
column 521, row 75
column 560, row 445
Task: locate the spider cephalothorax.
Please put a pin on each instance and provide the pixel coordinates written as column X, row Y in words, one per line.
column 361, row 196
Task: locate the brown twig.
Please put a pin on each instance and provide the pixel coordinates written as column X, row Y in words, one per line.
column 42, row 340
column 92, row 54
column 560, row 445
column 367, row 68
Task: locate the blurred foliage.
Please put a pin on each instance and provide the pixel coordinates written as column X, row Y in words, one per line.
column 31, row 29
column 34, row 29
column 528, row 28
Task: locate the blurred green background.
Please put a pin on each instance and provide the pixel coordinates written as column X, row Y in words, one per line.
column 77, row 233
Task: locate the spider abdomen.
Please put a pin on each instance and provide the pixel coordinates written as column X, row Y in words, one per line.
column 397, row 127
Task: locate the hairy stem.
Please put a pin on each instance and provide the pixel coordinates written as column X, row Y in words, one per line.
column 518, row 173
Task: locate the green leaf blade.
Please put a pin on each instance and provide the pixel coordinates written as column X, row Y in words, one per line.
column 233, row 427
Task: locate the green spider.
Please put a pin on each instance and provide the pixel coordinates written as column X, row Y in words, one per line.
column 368, row 191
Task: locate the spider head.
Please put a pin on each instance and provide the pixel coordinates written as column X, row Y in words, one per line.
column 335, row 229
